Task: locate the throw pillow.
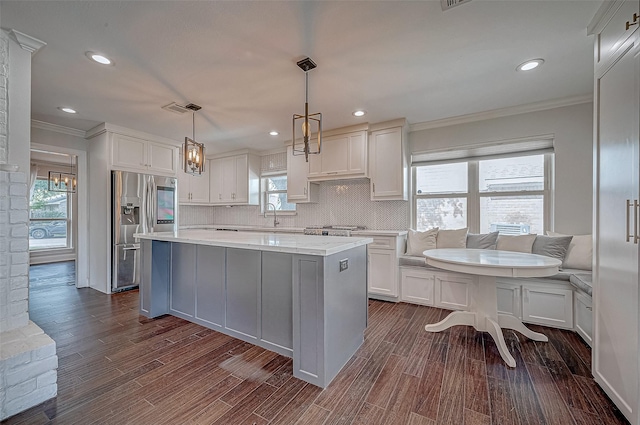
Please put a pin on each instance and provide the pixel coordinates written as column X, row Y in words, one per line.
column 519, row 243
column 452, row 238
column 417, row 242
column 482, row 241
column 580, row 252
column 551, row 246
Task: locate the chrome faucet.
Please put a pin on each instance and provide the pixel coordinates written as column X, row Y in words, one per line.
column 275, row 218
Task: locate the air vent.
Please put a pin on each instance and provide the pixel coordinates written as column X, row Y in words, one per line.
column 448, row 4
column 193, row 107
column 175, row 108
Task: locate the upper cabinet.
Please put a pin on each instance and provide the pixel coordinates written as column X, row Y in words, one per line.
column 194, row 189
column 235, row 179
column 341, row 156
column 299, row 189
column 388, row 165
column 135, row 154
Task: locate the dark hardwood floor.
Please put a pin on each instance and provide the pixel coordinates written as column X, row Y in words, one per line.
column 116, row 367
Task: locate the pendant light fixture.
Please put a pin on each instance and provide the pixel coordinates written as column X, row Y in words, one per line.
column 305, row 146
column 193, row 152
column 63, row 182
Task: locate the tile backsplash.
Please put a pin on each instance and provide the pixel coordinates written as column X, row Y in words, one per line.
column 344, row 202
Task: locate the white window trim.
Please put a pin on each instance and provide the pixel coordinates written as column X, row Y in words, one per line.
column 264, row 193
column 473, row 193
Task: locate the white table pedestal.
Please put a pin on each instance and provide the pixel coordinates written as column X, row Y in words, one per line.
column 485, row 318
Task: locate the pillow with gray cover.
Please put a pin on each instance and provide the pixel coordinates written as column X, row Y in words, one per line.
column 482, row 241
column 551, row 246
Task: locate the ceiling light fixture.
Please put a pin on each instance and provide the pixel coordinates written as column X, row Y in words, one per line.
column 529, row 65
column 193, row 152
column 63, row 182
column 304, row 147
column 97, row 57
column 359, row 113
column 67, row 110
column 273, row 133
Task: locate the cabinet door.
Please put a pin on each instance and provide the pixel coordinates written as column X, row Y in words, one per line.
column 509, row 300
column 162, row 159
column 547, row 306
column 615, row 341
column 182, row 296
column 382, row 269
column 228, row 188
column 184, row 188
column 386, row 167
column 297, row 172
column 452, row 292
column 216, row 180
column 358, row 153
column 129, row 152
column 335, row 155
column 199, row 186
column 241, row 177
column 417, row 286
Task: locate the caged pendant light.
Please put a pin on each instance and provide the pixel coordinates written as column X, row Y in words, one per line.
column 63, row 182
column 305, row 146
column 193, row 152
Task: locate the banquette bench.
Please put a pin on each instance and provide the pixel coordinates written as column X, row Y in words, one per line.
column 561, row 301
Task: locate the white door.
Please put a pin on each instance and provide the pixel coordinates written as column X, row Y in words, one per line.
column 382, row 272
column 297, row 171
column 216, row 180
column 129, row 152
column 241, row 192
column 358, row 153
column 162, row 159
column 200, row 186
column 616, row 291
column 335, row 155
column 386, row 163
column 184, row 188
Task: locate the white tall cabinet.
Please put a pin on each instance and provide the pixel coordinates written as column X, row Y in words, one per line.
column 616, row 122
column 388, row 162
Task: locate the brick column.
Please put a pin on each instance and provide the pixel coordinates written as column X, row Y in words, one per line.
column 28, row 360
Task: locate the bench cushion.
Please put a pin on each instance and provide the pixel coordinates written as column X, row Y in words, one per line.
column 582, row 282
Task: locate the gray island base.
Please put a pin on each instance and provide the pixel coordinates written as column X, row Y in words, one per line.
column 305, row 303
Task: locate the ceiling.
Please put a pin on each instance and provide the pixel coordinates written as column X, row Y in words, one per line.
column 237, row 60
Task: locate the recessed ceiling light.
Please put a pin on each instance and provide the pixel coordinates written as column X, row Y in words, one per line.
column 359, row 113
column 273, row 133
column 68, row 110
column 97, row 57
column 529, row 65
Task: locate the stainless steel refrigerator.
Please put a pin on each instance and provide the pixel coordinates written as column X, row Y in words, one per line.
column 141, row 203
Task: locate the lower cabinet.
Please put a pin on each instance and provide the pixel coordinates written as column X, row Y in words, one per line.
column 509, row 301
column 583, row 316
column 450, row 291
column 548, row 306
column 382, row 267
column 210, row 285
column 182, row 292
column 417, row 286
column 243, row 289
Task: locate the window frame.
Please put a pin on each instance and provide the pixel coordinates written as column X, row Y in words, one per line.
column 266, row 192
column 69, row 220
column 473, row 194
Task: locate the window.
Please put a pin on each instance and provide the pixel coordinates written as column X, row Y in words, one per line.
column 49, row 218
column 510, row 195
column 276, row 194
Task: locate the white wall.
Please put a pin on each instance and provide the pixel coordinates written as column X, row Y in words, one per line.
column 53, row 138
column 572, row 128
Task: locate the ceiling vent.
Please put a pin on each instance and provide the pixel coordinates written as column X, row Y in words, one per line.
column 175, row 108
column 448, row 4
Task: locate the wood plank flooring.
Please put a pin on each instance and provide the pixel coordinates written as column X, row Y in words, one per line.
column 116, row 367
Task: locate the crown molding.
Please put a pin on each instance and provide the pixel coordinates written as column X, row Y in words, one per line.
column 58, row 128
column 28, row 43
column 503, row 112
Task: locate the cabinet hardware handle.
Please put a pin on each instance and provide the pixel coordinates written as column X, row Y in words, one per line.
column 374, row 188
column 635, row 19
column 220, row 196
column 589, row 308
column 636, row 204
column 333, row 172
column 305, row 190
column 627, row 235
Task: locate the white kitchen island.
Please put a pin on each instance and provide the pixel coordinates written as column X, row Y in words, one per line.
column 301, row 296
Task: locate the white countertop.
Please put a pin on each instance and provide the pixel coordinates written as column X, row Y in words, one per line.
column 489, row 262
column 367, row 232
column 290, row 243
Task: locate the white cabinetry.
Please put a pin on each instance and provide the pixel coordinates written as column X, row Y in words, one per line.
column 616, row 119
column 583, row 316
column 299, row 189
column 388, row 164
column 382, row 264
column 194, row 189
column 235, row 180
column 509, row 299
column 547, row 306
column 341, row 156
column 135, row 154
